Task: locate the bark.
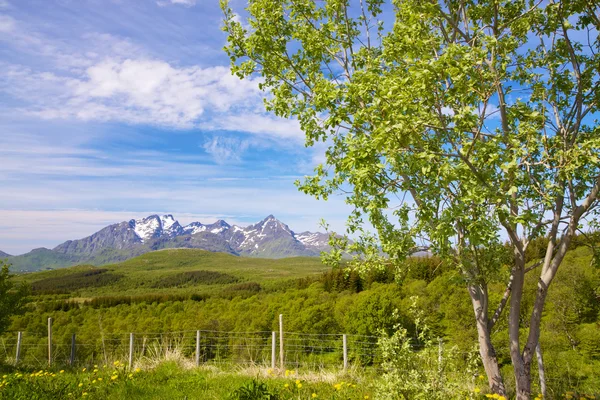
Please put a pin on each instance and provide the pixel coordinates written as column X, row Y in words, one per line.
column 542, row 374
column 479, row 299
column 521, row 366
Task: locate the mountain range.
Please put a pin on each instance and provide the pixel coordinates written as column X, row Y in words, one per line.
column 269, row 238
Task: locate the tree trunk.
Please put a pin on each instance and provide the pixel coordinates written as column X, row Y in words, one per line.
column 521, row 365
column 542, row 374
column 479, row 300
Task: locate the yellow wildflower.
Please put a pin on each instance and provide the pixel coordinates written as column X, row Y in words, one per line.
column 100, row 379
column 297, row 381
column 62, row 371
column 130, row 375
column 299, row 385
column 476, row 390
column 84, row 394
column 114, row 377
column 83, row 370
column 80, row 385
column 314, row 395
column 286, row 385
column 481, row 377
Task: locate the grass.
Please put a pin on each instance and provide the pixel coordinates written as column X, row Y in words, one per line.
column 145, row 273
column 171, row 381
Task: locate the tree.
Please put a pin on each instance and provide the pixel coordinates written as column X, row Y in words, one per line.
column 12, row 299
column 451, row 125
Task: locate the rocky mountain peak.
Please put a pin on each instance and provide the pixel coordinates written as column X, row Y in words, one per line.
column 218, row 227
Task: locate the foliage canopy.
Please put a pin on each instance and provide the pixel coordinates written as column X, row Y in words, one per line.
column 452, row 126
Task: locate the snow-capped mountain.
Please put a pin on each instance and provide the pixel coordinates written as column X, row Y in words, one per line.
column 269, row 238
column 155, row 227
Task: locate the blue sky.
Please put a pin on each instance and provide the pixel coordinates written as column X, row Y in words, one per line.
column 116, row 109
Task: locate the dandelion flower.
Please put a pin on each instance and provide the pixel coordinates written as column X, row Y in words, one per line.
column 299, row 385
column 314, row 395
column 62, row 371
column 114, row 377
column 286, row 385
column 476, row 390
column 80, row 385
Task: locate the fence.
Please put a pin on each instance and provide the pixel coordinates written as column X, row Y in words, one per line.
column 281, row 349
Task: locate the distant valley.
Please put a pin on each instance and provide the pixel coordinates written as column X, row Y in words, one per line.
column 269, row 238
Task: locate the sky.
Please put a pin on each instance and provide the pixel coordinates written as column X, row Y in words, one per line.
column 118, row 109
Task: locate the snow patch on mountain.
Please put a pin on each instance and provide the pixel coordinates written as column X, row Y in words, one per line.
column 146, row 228
column 193, row 228
column 313, row 239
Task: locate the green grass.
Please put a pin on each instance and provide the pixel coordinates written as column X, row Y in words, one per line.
column 171, row 381
column 144, row 274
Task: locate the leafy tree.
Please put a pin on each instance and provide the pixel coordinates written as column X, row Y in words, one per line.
column 450, row 125
column 12, row 299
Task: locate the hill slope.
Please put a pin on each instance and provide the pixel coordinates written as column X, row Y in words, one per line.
column 188, row 270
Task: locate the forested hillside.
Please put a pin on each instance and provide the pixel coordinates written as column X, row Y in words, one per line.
column 181, row 290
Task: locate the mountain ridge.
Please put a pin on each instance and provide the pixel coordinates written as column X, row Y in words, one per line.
column 268, row 238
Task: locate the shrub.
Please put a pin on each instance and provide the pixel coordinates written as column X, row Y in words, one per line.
column 254, row 390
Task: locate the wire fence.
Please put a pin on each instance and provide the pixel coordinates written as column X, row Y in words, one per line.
column 202, row 347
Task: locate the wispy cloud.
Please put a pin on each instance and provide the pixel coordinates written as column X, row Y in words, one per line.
column 7, row 24
column 187, row 3
column 226, row 149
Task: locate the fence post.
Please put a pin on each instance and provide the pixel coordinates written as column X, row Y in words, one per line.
column 273, row 349
column 345, row 346
column 18, row 355
column 197, row 348
column 49, row 342
column 281, row 358
column 72, row 360
column 130, row 351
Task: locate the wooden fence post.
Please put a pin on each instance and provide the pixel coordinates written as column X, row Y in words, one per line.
column 273, row 349
column 281, row 357
column 345, row 346
column 197, row 348
column 19, row 339
column 72, row 360
column 130, row 351
column 49, row 342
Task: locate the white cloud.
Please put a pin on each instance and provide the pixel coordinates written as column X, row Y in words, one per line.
column 259, row 124
column 7, row 24
column 135, row 91
column 226, row 149
column 146, row 91
column 187, row 3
